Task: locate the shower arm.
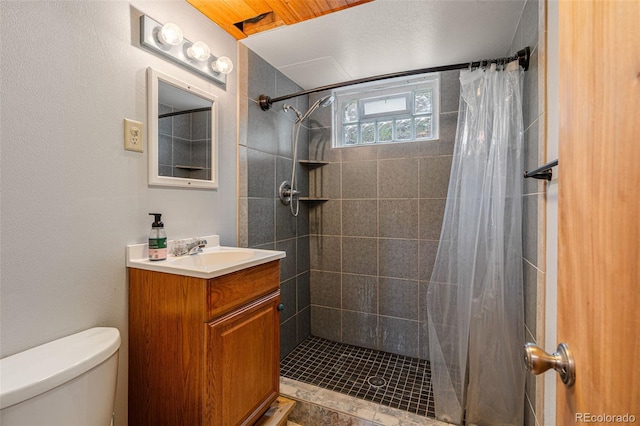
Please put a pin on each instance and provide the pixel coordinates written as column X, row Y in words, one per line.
column 522, row 57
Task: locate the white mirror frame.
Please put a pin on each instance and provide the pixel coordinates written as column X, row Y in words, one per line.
column 154, row 179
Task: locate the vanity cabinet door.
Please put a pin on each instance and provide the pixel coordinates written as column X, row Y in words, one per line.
column 242, row 363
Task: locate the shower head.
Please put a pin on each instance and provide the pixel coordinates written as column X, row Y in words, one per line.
column 287, row 107
column 326, row 101
column 322, row 102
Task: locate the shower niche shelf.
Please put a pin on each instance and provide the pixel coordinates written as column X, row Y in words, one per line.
column 189, row 167
column 313, row 199
column 312, row 164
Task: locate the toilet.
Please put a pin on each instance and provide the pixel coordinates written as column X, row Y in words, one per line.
column 67, row 382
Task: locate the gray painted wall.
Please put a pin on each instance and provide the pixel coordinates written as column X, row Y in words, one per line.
column 71, row 197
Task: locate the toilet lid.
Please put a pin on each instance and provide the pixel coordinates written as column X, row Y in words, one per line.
column 40, row 369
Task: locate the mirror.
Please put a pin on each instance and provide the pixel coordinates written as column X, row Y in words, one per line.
column 181, row 133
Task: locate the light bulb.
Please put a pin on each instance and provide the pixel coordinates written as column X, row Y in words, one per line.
column 198, row 51
column 222, row 65
column 170, row 34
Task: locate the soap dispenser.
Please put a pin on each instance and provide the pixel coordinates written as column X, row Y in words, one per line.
column 157, row 239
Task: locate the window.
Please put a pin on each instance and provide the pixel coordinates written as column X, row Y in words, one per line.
column 395, row 110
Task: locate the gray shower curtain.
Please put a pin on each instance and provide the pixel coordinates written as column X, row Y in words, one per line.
column 475, row 296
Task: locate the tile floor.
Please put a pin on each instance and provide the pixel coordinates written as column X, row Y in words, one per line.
column 383, row 379
column 321, row 407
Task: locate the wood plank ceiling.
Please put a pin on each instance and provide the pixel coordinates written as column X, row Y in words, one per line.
column 241, row 18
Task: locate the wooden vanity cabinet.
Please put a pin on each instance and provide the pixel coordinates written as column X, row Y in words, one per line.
column 203, row 352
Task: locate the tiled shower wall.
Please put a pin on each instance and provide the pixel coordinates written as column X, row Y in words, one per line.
column 530, row 32
column 357, row 265
column 265, row 161
column 373, row 244
column 184, row 140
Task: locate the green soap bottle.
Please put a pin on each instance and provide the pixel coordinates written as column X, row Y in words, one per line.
column 157, row 239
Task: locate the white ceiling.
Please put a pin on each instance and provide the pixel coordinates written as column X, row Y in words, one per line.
column 386, row 36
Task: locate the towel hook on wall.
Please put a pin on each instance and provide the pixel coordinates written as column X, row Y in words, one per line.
column 542, row 172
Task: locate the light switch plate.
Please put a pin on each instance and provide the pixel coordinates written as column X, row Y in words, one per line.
column 133, row 135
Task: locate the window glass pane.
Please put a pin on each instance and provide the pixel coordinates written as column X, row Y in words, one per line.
column 385, row 131
column 398, row 110
column 423, row 101
column 350, row 135
column 403, row 129
column 423, row 127
column 351, row 112
column 368, row 132
column 385, row 105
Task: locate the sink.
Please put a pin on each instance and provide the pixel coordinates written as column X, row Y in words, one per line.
column 213, row 261
column 213, row 258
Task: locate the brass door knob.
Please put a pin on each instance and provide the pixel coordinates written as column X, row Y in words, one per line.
column 537, row 361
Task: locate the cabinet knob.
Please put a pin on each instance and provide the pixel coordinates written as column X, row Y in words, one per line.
column 281, row 307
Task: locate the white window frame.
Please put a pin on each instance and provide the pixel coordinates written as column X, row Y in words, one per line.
column 392, row 88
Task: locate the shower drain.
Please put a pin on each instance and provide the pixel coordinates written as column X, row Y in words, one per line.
column 376, row 381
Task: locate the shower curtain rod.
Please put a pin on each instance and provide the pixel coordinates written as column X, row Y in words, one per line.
column 186, row 111
column 522, row 57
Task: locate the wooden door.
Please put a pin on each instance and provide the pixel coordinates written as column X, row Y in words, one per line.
column 599, row 209
column 243, row 363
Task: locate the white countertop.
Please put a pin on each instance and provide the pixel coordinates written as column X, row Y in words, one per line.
column 213, row 261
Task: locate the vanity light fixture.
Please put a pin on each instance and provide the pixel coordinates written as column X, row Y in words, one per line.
column 222, row 65
column 170, row 34
column 198, row 51
column 168, row 41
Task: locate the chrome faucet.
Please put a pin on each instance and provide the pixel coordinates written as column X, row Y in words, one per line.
column 181, row 248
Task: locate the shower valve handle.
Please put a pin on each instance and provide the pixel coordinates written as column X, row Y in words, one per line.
column 286, row 193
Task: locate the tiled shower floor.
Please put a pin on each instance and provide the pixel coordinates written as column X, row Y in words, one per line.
column 351, row 370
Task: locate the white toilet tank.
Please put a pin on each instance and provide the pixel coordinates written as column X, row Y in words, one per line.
column 67, row 382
